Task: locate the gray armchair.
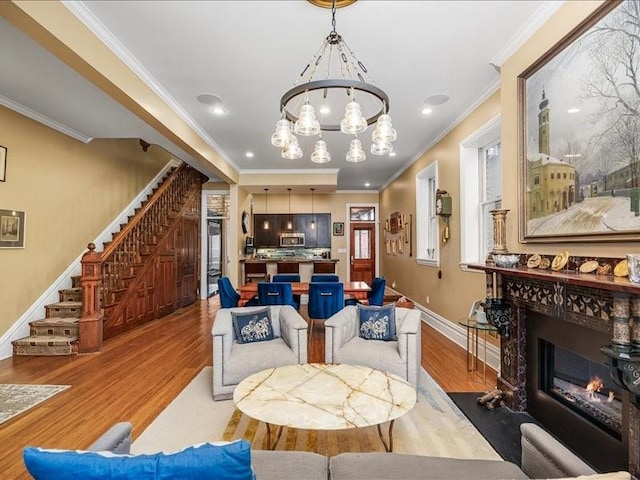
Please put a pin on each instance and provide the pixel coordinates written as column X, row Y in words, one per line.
column 401, row 356
column 233, row 362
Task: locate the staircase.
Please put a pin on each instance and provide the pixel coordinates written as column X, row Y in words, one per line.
column 127, row 276
column 57, row 333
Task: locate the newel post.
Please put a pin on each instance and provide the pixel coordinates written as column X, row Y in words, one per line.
column 90, row 326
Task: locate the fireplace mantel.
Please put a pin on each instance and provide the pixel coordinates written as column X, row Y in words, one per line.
column 604, row 303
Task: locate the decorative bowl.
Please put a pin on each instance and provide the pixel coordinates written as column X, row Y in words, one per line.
column 506, row 261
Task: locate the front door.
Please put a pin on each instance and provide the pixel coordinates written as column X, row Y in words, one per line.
column 363, row 252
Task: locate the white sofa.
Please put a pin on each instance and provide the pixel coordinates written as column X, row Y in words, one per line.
column 233, row 362
column 401, row 356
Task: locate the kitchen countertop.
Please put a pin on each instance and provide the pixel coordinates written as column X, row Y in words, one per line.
column 290, row 259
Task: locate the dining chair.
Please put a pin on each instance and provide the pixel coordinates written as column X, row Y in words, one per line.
column 325, row 299
column 288, row 267
column 374, row 297
column 325, row 277
column 229, row 297
column 289, row 277
column 255, row 271
column 275, row 293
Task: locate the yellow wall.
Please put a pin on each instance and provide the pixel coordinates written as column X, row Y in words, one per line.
column 70, row 192
column 451, row 295
column 334, row 203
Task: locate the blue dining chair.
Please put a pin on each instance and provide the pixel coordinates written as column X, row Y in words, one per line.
column 325, row 277
column 229, row 298
column 325, row 299
column 275, row 293
column 375, row 296
column 289, row 277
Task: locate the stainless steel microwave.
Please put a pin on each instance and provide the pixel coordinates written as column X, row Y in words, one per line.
column 292, row 239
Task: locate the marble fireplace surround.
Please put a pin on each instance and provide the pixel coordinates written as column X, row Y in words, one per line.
column 601, row 303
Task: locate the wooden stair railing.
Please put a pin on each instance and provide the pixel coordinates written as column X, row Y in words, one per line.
column 108, row 275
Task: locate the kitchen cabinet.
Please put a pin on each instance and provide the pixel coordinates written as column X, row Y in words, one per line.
column 314, row 237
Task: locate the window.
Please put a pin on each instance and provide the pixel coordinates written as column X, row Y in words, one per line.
column 427, row 252
column 362, row 214
column 362, row 245
column 480, row 190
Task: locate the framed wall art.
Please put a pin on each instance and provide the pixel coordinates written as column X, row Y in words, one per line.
column 338, row 229
column 3, row 164
column 12, row 229
column 579, row 131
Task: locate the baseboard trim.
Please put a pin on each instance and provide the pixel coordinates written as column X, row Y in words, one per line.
column 455, row 332
column 20, row 328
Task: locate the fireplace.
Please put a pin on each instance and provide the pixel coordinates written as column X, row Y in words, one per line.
column 563, row 331
column 563, row 360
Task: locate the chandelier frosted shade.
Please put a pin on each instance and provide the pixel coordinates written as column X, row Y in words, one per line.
column 320, row 153
column 353, row 121
column 384, row 131
column 292, row 150
column 283, row 134
column 381, row 148
column 307, row 123
column 356, row 153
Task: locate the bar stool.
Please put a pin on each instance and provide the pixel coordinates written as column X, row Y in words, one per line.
column 255, row 271
column 288, row 267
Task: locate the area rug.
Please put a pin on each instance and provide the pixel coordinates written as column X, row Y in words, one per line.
column 501, row 426
column 435, row 426
column 16, row 398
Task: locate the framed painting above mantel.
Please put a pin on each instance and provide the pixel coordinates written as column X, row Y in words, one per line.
column 579, row 133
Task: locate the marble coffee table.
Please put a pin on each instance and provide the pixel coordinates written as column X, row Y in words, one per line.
column 319, row 396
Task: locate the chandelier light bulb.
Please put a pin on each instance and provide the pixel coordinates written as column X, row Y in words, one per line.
column 307, row 123
column 320, row 153
column 384, row 131
column 356, row 153
column 283, row 133
column 353, row 121
column 381, row 148
column 292, row 150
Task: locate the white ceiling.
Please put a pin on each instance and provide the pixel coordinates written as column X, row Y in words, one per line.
column 250, row 52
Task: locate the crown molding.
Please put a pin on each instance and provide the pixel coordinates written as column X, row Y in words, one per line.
column 82, row 12
column 38, row 117
column 541, row 15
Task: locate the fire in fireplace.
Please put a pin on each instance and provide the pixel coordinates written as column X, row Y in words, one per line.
column 583, row 386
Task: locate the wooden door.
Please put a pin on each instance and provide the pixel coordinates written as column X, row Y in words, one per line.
column 188, row 246
column 363, row 252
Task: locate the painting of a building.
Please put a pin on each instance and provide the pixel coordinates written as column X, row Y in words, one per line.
column 551, row 185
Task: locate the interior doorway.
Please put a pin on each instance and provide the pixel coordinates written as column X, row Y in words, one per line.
column 362, row 243
column 214, row 255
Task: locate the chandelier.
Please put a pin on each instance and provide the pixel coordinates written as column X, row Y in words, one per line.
column 318, row 97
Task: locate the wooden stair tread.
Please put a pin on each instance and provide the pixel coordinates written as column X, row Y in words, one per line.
column 65, row 304
column 56, row 321
column 46, row 339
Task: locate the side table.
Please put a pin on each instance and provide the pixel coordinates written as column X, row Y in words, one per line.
column 474, row 328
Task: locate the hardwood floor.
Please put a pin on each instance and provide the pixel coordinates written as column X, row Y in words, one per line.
column 138, row 374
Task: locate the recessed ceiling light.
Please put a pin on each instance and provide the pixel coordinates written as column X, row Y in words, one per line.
column 218, row 111
column 392, row 154
column 249, row 154
column 427, row 110
column 437, row 99
column 209, row 98
column 573, row 110
column 367, row 184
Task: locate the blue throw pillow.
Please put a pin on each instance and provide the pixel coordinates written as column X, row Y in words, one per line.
column 254, row 326
column 231, row 461
column 377, row 323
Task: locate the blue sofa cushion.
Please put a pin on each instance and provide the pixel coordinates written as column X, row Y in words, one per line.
column 254, row 326
column 231, row 461
column 377, row 323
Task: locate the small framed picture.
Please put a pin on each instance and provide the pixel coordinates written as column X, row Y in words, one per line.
column 338, row 229
column 474, row 307
column 3, row 163
column 11, row 229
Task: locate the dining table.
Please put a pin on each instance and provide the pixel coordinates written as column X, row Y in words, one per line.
column 357, row 290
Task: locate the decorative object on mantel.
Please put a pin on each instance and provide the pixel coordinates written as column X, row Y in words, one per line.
column 633, row 265
column 560, row 260
column 621, row 269
column 544, row 263
column 507, row 261
column 589, row 266
column 334, row 59
column 12, row 229
column 534, row 261
column 499, row 218
column 603, row 269
column 3, row 163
